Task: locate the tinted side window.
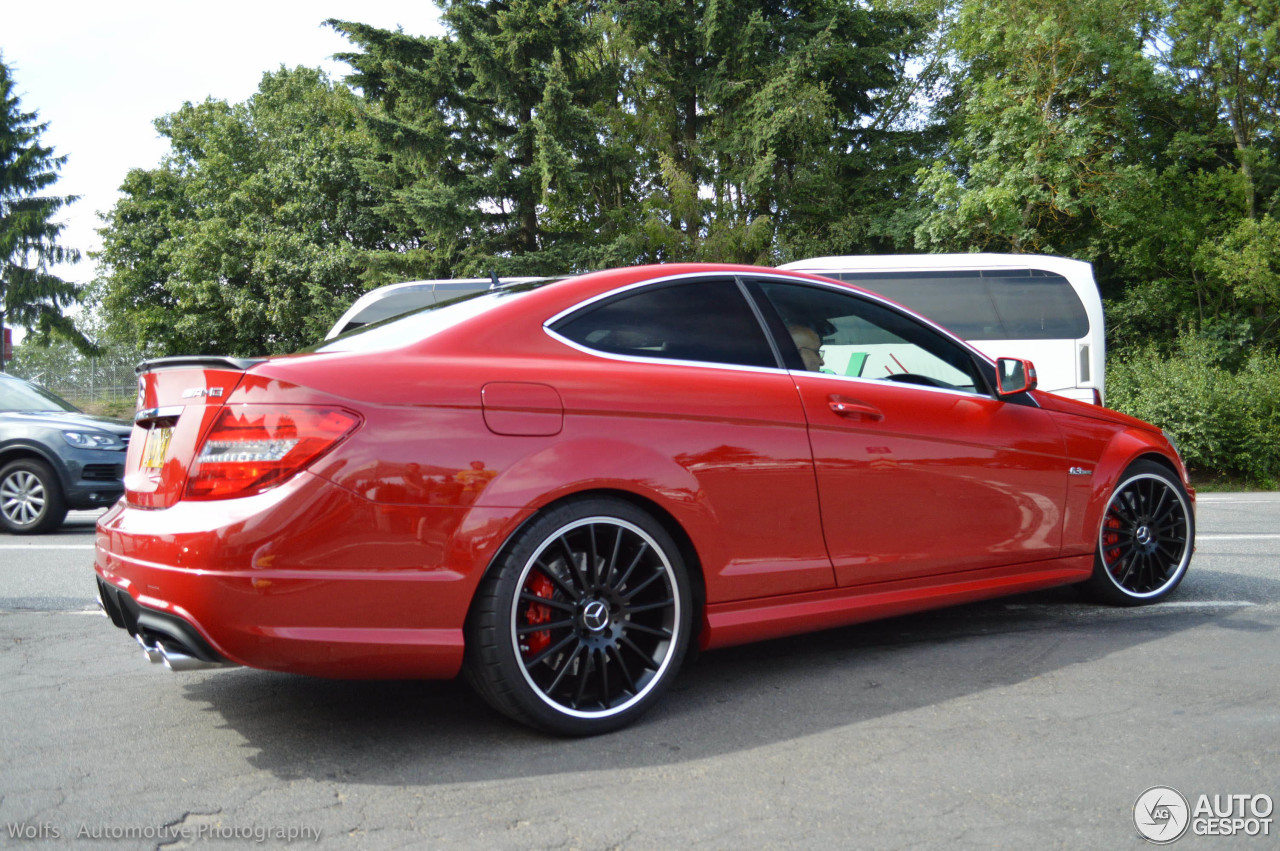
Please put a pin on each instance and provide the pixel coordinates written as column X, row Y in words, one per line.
column 857, row 337
column 706, row 320
column 1016, row 304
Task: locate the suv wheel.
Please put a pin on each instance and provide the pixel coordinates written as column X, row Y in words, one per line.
column 31, row 498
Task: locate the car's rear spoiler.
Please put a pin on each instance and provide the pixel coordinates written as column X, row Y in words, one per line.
column 197, row 361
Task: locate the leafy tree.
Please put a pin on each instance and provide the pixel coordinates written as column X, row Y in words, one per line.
column 553, row 136
column 765, row 127
column 1199, row 244
column 488, row 132
column 30, row 295
column 247, row 238
column 1047, row 123
column 1228, row 53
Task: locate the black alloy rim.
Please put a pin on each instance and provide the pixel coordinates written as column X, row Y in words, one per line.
column 596, row 617
column 1145, row 540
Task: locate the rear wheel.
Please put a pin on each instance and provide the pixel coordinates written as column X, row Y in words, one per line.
column 1146, row 539
column 583, row 621
column 31, row 498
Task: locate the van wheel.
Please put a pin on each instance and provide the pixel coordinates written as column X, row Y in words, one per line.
column 583, row 621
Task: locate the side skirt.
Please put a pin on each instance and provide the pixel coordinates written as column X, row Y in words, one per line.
column 744, row 621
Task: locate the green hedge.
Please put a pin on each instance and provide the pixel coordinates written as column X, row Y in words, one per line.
column 1226, row 423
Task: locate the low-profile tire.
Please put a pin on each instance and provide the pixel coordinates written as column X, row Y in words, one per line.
column 31, row 499
column 582, row 621
column 1145, row 540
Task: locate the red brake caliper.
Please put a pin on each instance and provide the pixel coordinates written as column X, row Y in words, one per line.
column 540, row 586
column 1110, row 539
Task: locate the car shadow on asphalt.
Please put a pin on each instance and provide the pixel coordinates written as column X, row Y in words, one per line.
column 736, row 699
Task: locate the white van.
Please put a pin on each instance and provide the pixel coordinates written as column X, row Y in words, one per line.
column 395, row 299
column 1044, row 309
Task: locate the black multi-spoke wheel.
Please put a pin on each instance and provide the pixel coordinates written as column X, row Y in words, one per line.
column 583, row 620
column 1146, row 539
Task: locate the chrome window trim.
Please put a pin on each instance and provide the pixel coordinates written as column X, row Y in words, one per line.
column 879, row 382
column 648, row 282
column 738, row 276
column 884, row 382
column 669, row 361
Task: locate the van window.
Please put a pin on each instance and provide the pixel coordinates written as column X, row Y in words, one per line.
column 1015, row 304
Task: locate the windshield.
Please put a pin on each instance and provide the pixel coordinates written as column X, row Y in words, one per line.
column 21, row 396
column 412, row 327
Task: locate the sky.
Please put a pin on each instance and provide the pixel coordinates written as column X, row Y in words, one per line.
column 99, row 73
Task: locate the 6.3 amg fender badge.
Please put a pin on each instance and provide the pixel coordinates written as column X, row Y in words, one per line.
column 1079, row 471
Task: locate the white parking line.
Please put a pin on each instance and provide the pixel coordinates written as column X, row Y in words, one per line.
column 1237, row 538
column 1231, row 500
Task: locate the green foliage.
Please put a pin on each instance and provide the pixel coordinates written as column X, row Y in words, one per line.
column 30, row 295
column 1247, row 260
column 1225, row 422
column 1227, row 52
column 487, row 134
column 557, row 136
column 1048, row 118
column 247, row 239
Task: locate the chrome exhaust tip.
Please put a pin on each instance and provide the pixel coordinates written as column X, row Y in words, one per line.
column 153, row 652
column 158, row 654
column 179, row 662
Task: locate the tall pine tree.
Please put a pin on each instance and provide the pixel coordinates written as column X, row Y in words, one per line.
column 488, row 131
column 30, row 295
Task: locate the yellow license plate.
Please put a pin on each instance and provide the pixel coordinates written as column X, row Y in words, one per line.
column 156, row 447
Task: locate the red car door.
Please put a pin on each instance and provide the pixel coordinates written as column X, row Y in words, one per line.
column 920, row 470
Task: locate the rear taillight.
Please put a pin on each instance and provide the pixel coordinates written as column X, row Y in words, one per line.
column 251, row 448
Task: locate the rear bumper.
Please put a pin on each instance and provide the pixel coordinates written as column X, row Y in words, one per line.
column 306, row 578
column 163, row 637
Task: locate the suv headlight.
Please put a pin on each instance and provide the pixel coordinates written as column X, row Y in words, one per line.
column 92, row 440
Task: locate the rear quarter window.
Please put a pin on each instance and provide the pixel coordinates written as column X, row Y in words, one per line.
column 707, row 321
column 411, row 327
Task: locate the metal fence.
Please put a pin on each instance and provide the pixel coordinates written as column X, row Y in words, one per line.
column 86, row 382
column 83, row 394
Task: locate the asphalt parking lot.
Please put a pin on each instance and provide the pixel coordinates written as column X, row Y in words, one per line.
column 1035, row 721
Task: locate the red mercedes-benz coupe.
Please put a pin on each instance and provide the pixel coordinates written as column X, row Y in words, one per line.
column 556, row 488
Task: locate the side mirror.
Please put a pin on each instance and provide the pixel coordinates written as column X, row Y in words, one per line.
column 1014, row 375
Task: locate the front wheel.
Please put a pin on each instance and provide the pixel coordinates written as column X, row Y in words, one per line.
column 583, row 620
column 31, row 498
column 1146, row 538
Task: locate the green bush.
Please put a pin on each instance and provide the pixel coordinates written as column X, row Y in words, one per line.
column 1226, row 423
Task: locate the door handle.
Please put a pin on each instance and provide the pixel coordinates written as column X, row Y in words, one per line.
column 846, row 406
